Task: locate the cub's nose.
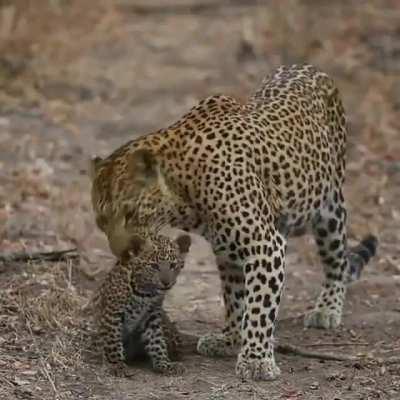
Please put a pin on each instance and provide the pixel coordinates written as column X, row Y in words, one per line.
column 167, row 280
column 167, row 276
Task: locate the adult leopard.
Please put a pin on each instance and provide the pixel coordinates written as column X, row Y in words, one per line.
column 237, row 171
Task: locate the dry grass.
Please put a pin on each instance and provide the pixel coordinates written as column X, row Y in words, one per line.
column 39, row 37
column 54, row 27
column 43, row 327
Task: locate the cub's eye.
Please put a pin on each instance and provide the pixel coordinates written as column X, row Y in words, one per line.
column 156, row 267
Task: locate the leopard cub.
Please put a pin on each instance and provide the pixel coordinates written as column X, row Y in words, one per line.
column 130, row 318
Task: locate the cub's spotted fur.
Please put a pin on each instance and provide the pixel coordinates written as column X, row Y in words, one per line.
column 130, row 316
column 246, row 175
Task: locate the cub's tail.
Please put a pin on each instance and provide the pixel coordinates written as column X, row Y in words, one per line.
column 359, row 256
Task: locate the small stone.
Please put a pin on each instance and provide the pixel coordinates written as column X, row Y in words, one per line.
column 314, row 386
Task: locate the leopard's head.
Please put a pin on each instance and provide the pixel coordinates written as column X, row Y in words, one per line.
column 129, row 196
column 155, row 262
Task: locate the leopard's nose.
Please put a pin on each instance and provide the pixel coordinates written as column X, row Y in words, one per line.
column 167, row 282
column 167, row 279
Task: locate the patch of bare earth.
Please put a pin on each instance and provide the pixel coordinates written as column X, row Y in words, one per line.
column 78, row 78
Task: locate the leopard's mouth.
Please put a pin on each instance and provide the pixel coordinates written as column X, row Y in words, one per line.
column 168, row 286
column 165, row 288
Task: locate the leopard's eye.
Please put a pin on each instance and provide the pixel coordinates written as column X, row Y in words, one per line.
column 173, row 265
column 101, row 222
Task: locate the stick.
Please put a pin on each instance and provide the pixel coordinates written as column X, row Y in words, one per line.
column 389, row 361
column 203, row 7
column 338, row 344
column 190, row 343
column 44, row 369
column 58, row 255
column 290, row 349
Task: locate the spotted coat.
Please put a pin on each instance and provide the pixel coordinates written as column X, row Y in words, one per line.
column 130, row 318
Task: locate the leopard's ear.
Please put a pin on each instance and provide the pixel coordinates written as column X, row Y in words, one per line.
column 94, row 165
column 184, row 241
column 146, row 169
column 143, row 165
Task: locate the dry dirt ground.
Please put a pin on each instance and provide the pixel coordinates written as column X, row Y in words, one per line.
column 78, row 78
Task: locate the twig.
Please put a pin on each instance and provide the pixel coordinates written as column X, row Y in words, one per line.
column 338, row 344
column 58, row 255
column 201, row 7
column 2, row 378
column 350, row 387
column 47, row 374
column 290, row 349
column 389, row 361
column 44, row 368
column 190, row 340
column 292, row 317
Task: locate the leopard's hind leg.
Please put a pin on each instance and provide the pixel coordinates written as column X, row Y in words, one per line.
column 341, row 266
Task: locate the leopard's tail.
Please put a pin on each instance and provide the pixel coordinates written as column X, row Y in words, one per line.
column 359, row 256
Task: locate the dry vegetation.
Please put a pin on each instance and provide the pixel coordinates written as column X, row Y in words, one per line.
column 81, row 77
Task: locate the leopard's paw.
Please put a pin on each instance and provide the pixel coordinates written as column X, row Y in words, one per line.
column 257, row 369
column 215, row 345
column 323, row 318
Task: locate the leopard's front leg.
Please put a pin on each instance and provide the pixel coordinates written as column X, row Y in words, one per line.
column 264, row 278
column 228, row 341
column 246, row 234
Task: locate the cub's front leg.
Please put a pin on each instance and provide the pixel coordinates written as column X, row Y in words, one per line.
column 110, row 314
column 112, row 345
column 156, row 345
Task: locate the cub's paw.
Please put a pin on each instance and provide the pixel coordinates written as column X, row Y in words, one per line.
column 257, row 369
column 215, row 345
column 169, row 368
column 323, row 318
column 120, row 370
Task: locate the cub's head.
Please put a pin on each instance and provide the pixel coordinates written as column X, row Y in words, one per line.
column 129, row 196
column 155, row 262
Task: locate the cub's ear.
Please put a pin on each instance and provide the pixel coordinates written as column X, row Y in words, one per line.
column 184, row 242
column 143, row 165
column 94, row 165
